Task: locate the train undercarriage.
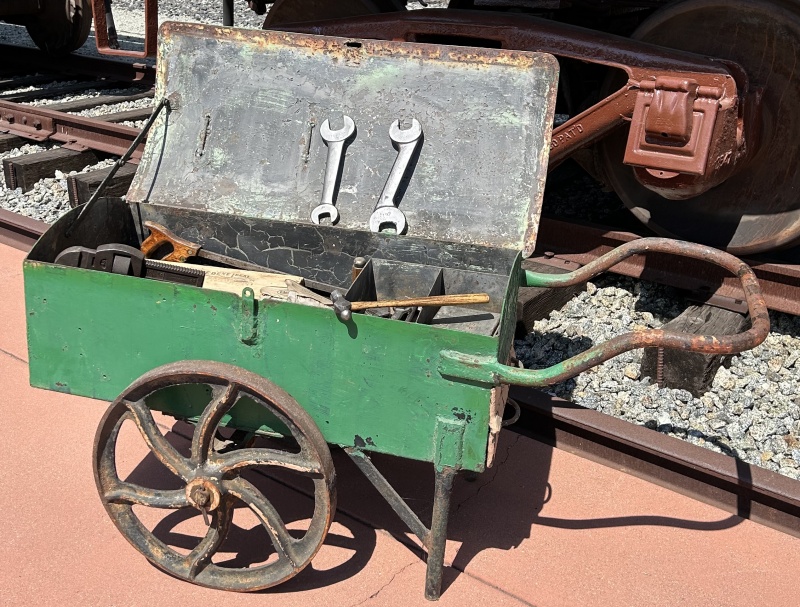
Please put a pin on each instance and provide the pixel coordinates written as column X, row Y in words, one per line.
column 687, row 110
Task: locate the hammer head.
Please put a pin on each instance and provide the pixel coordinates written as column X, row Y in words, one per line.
column 341, row 307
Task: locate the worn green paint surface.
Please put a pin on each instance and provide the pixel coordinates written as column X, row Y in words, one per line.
column 373, row 383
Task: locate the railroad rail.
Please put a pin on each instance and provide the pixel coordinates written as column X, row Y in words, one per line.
column 730, row 484
column 19, row 231
column 568, row 245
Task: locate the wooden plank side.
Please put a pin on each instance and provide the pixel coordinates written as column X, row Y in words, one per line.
column 24, row 171
column 89, row 102
column 689, row 370
column 10, row 142
column 82, row 186
column 534, row 303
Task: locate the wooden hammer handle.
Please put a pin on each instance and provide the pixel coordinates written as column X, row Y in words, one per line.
column 434, row 300
column 181, row 249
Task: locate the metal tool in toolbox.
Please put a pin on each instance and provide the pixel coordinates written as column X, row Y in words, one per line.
column 344, row 309
column 386, row 211
column 127, row 261
column 335, row 141
column 243, row 167
column 181, row 250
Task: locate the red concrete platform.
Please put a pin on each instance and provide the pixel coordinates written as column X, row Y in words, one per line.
column 542, row 527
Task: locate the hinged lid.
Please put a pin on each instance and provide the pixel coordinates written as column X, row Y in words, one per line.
column 243, row 135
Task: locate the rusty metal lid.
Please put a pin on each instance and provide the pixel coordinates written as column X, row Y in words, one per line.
column 243, row 134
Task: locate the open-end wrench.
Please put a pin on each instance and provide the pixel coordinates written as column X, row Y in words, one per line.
column 335, row 141
column 386, row 211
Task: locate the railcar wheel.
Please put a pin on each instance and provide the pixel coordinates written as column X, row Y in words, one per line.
column 212, row 480
column 758, row 208
column 62, row 26
column 297, row 11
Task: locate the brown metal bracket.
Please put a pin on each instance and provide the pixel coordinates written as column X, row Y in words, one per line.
column 686, row 131
column 106, row 36
column 672, row 126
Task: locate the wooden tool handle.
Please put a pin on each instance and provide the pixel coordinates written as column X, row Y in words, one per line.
column 434, row 300
column 181, row 249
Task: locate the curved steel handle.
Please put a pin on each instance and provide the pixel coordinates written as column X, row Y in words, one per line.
column 489, row 369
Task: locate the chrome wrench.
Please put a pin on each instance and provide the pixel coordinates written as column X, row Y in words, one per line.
column 385, row 211
column 335, row 141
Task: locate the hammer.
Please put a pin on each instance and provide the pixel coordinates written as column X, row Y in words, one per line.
column 344, row 309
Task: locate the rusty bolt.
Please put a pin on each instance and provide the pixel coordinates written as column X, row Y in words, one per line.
column 24, row 120
column 200, row 496
column 37, row 124
column 9, row 118
column 549, row 254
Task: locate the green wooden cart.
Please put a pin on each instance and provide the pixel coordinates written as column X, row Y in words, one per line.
column 236, row 163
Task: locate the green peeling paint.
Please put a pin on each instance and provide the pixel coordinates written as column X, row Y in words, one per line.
column 547, row 281
column 92, row 334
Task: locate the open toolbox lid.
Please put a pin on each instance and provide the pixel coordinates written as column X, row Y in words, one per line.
column 242, row 136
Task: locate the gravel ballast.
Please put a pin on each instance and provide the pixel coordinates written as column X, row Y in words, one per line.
column 751, row 412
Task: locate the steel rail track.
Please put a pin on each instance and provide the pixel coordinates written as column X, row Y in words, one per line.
column 19, row 231
column 569, row 245
column 75, row 132
column 730, row 484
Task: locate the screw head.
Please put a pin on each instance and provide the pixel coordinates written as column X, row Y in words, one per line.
column 203, row 493
column 200, row 495
column 37, row 124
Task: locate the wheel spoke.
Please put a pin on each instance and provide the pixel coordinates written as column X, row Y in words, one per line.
column 284, row 543
column 200, row 557
column 159, row 446
column 128, row 493
column 244, row 458
column 216, row 470
column 207, row 424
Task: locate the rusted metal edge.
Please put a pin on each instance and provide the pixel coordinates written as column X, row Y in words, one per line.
column 19, row 231
column 563, row 244
column 73, row 131
column 122, row 71
column 730, row 484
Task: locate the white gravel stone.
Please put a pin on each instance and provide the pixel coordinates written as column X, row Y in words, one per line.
column 751, row 411
column 112, row 108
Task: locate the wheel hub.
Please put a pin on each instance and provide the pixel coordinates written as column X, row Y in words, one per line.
column 203, row 494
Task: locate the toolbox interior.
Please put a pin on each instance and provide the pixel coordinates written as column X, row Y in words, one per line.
column 397, row 268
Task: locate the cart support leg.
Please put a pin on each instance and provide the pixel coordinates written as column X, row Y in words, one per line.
column 438, row 533
column 435, row 538
column 227, row 12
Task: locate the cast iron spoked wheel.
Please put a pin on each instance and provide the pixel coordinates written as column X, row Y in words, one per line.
column 212, row 480
column 758, row 208
column 62, row 26
column 297, row 11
